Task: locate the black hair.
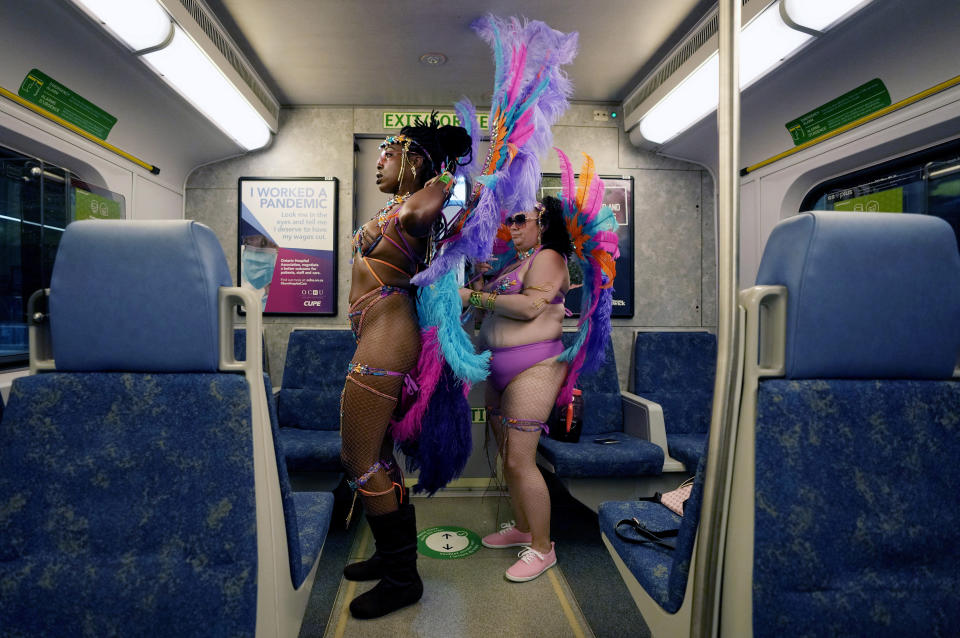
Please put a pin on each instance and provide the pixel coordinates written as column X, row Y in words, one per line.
column 554, row 235
column 445, row 145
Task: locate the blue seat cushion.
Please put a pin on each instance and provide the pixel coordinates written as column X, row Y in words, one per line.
column 315, row 408
column 306, row 514
column 127, row 501
column 676, row 370
column 168, row 274
column 650, row 565
column 892, row 315
column 602, row 405
column 310, row 450
column 687, row 448
column 313, row 512
column 856, row 526
column 586, row 459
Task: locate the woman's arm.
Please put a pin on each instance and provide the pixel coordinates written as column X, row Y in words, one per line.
column 423, row 207
column 541, row 283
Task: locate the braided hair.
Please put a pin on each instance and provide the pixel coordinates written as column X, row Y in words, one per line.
column 442, row 147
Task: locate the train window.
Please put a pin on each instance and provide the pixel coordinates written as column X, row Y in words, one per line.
column 37, row 201
column 927, row 182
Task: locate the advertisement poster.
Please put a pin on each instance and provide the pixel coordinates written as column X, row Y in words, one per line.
column 287, row 243
column 618, row 195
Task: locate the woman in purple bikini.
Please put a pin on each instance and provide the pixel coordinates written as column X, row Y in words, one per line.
column 523, row 319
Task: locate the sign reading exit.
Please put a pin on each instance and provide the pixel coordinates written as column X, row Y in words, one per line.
column 397, row 119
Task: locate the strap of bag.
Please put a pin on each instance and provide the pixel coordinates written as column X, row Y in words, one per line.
column 648, row 536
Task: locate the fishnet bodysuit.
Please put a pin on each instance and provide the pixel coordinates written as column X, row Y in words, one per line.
column 389, row 339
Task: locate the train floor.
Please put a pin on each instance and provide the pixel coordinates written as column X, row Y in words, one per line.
column 465, row 592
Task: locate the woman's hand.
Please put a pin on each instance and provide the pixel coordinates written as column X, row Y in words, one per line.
column 480, row 268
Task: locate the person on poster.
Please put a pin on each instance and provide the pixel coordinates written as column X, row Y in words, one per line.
column 258, row 258
column 523, row 310
column 416, row 169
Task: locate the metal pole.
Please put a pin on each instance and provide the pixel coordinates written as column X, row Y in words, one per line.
column 707, row 572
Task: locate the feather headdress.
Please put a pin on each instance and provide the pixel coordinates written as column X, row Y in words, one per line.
column 531, row 91
column 593, row 231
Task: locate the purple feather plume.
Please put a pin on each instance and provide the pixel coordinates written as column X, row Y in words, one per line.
column 427, row 374
column 441, row 451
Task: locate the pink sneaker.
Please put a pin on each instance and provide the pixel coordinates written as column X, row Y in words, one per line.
column 508, row 536
column 531, row 564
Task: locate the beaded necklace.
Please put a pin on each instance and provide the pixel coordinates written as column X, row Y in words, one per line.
column 523, row 254
column 382, row 215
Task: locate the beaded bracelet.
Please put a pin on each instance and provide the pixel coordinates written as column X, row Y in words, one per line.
column 475, row 299
column 491, row 301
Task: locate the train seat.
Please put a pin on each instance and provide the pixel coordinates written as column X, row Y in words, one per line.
column 673, row 374
column 841, row 519
column 308, row 402
column 654, row 573
column 138, row 466
column 594, row 472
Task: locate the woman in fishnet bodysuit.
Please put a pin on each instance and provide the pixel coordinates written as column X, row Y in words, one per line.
column 524, row 308
column 388, row 250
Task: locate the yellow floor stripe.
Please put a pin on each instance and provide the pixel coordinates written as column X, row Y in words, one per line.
column 565, row 604
column 351, row 589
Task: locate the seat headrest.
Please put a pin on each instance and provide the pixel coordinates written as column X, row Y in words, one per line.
column 869, row 295
column 137, row 296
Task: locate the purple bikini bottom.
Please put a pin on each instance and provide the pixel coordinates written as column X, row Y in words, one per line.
column 506, row 363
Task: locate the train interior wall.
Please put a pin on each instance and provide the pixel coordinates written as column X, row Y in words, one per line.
column 673, row 216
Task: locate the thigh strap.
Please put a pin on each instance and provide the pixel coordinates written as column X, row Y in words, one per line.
column 525, row 425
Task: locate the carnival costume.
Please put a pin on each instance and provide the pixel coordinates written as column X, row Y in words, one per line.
column 384, row 324
column 591, row 227
column 531, row 91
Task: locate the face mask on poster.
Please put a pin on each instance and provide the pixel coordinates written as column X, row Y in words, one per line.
column 257, row 265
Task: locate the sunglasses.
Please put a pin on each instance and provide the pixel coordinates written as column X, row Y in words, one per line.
column 520, row 219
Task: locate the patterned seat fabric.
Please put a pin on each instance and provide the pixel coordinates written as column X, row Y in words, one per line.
column 661, row 572
column 127, row 496
column 676, row 370
column 855, row 532
column 308, row 403
column 602, row 418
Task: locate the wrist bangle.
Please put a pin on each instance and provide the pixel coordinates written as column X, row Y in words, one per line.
column 491, row 301
column 446, row 179
column 475, row 299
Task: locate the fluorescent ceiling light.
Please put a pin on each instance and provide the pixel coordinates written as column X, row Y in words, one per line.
column 140, row 24
column 145, row 26
column 191, row 73
column 764, row 43
column 819, row 14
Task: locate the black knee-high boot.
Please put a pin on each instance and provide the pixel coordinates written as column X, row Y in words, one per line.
column 372, row 568
column 400, row 586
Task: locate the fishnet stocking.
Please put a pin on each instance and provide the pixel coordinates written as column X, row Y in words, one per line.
column 528, row 397
column 390, row 341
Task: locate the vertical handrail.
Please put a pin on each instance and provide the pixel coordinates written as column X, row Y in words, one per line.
column 707, row 569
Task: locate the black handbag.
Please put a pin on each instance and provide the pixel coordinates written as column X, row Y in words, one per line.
column 647, row 536
column 566, row 421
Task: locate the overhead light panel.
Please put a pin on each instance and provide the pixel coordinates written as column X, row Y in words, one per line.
column 147, row 29
column 765, row 42
column 140, row 24
column 819, row 15
column 191, row 73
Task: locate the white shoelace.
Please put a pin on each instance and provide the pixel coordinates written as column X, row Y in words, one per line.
column 527, row 554
column 506, row 527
